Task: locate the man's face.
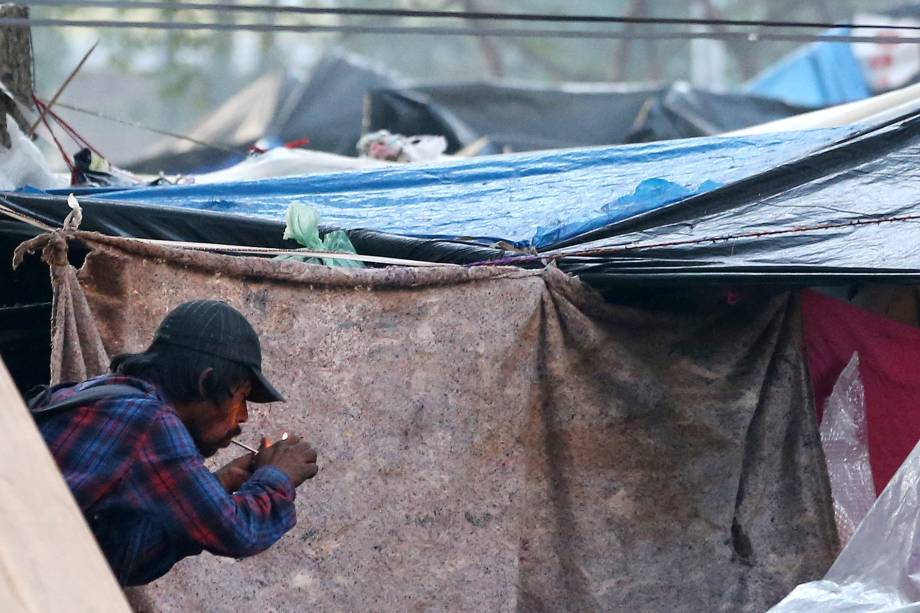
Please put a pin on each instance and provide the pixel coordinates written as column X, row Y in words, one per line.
column 218, row 422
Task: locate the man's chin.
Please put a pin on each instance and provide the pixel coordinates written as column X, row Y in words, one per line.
column 223, row 444
column 208, row 450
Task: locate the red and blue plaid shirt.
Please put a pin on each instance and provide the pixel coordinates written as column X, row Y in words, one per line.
column 145, row 491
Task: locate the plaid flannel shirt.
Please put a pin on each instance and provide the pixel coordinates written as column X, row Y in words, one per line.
column 145, row 491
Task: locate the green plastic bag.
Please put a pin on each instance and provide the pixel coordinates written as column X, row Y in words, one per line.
column 303, row 227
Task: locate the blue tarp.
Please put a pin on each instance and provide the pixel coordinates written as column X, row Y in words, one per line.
column 818, row 75
column 530, row 199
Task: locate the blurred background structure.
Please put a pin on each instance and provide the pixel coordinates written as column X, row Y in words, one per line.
column 173, row 79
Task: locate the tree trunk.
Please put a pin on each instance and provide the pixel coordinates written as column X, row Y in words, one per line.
column 490, row 51
column 15, row 68
column 743, row 52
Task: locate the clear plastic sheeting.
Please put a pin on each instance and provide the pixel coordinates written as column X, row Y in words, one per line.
column 846, row 451
column 879, row 569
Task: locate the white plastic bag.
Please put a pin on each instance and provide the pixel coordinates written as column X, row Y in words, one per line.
column 382, row 145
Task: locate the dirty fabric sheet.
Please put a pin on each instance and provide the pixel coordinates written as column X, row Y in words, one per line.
column 492, row 439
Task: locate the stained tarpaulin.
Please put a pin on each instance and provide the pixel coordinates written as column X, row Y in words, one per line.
column 889, row 357
column 500, row 439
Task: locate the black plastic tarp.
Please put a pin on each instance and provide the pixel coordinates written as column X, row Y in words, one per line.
column 849, row 212
column 522, row 118
column 680, row 111
column 174, row 224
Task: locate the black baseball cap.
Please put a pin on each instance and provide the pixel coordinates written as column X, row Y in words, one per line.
column 216, row 328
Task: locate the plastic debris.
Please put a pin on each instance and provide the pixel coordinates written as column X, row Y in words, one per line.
column 845, row 439
column 382, row 145
column 303, row 227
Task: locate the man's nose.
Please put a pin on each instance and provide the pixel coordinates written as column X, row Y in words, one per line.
column 244, row 413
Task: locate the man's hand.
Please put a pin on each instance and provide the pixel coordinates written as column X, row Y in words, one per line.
column 293, row 457
column 233, row 475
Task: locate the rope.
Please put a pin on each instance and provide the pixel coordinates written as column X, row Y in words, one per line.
column 468, row 15
column 749, row 36
column 141, row 126
column 240, row 249
column 328, row 255
column 25, row 218
column 71, row 132
column 74, row 135
column 44, row 120
column 18, row 308
column 605, row 251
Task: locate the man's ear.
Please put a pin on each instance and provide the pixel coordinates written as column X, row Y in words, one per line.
column 203, row 383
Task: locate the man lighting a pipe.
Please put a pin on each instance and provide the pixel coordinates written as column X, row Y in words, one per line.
column 131, row 446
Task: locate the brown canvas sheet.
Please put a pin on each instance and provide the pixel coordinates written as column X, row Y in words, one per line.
column 493, row 439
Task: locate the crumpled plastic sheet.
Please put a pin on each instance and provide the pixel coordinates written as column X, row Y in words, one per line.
column 879, row 569
column 845, row 439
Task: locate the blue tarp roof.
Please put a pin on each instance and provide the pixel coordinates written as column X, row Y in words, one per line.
column 818, row 75
column 530, row 199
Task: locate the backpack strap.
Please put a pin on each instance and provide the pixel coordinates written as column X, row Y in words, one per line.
column 83, row 398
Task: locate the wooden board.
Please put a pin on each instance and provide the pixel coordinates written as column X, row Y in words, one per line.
column 49, row 560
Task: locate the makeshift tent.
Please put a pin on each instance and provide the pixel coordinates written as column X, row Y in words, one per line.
column 597, row 212
column 48, row 558
column 496, row 428
column 524, row 118
column 535, row 199
column 784, row 233
column 277, row 109
column 329, row 110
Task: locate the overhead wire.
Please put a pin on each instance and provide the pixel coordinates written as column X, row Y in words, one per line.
column 140, row 126
column 750, row 36
column 469, row 15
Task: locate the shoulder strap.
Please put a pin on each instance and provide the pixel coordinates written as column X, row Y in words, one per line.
column 88, row 396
